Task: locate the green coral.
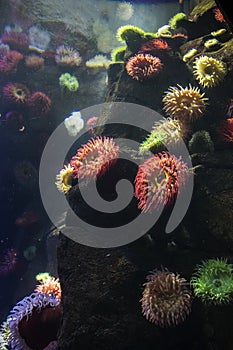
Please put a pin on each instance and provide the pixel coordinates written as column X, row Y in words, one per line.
column 69, row 82
column 201, row 142
column 173, row 21
column 213, row 281
column 117, row 55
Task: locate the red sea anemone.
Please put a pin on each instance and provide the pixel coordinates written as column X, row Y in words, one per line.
column 143, row 66
column 16, row 40
column 34, row 322
column 166, row 299
column 16, row 93
column 218, row 15
column 9, row 61
column 155, row 47
column 226, row 130
column 94, row 158
column 39, row 104
column 159, row 180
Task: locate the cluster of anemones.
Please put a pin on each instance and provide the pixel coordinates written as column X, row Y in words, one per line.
column 209, row 71
column 166, row 299
column 92, row 160
column 159, row 180
column 16, row 40
column 143, row 66
column 185, row 104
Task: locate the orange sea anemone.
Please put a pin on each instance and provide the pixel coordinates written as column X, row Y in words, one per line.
column 16, row 93
column 166, row 299
column 50, row 286
column 94, row 158
column 143, row 66
column 159, row 180
column 185, row 104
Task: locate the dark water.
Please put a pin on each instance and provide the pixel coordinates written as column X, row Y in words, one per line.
column 58, row 65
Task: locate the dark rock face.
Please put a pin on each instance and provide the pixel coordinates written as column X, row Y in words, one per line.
column 102, row 288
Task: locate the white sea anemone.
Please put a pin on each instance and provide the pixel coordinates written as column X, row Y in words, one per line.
column 39, row 39
column 74, row 123
column 125, row 11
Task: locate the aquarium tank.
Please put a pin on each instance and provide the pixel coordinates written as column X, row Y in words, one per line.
column 116, row 176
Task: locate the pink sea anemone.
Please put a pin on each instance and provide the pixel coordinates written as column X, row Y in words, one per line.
column 16, row 93
column 16, row 40
column 155, row 47
column 166, row 299
column 9, row 61
column 8, row 261
column 143, row 66
column 91, row 124
column 159, row 180
column 34, row 322
column 39, row 104
column 226, row 130
column 94, row 158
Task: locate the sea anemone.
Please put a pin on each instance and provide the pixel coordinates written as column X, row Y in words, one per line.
column 226, row 130
column 165, row 132
column 34, row 321
column 213, row 281
column 159, row 180
column 209, row 71
column 50, row 286
column 98, row 62
column 91, row 124
column 9, row 61
column 184, row 104
column 39, row 104
column 34, row 61
column 155, row 47
column 143, row 66
column 64, row 179
column 67, row 56
column 74, row 123
column 39, row 39
column 218, row 15
column 16, row 93
column 94, row 158
column 5, row 336
column 164, row 32
column 68, row 82
column 124, row 11
column 190, row 54
column 174, row 21
column 8, row 261
column 201, row 142
column 16, row 40
column 166, row 300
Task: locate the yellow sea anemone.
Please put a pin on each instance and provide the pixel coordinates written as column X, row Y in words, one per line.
column 209, row 71
column 189, row 54
column 210, row 43
column 64, row 179
column 184, row 104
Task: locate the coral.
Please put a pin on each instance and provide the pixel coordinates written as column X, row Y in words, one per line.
column 166, row 299
column 39, row 39
column 226, row 130
column 98, row 62
column 16, row 40
column 91, row 124
column 94, row 158
column 16, row 93
column 209, row 71
column 124, row 11
column 118, row 54
column 165, row 132
column 201, row 142
column 74, row 123
column 39, row 104
column 174, row 21
column 8, row 261
column 189, row 54
column 218, row 15
column 213, row 281
column 9, row 61
column 34, row 321
column 159, row 180
column 143, row 66
column 50, row 286
column 129, row 33
column 67, row 56
column 15, row 121
column 68, row 82
column 64, row 179
column 184, row 104
column 34, row 61
column 155, row 47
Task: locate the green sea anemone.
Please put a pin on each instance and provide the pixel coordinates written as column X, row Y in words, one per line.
column 201, row 142
column 117, row 54
column 173, row 21
column 153, row 142
column 68, row 82
column 213, row 281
